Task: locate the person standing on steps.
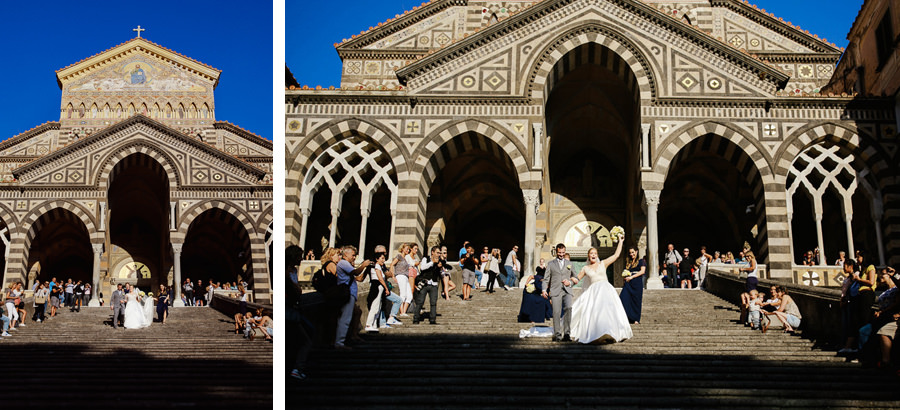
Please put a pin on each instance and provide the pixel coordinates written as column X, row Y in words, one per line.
column 117, row 304
column 427, row 283
column 188, row 291
column 685, row 274
column 633, row 291
column 449, row 286
column 162, row 304
column 670, row 263
column 513, row 267
column 493, row 269
column 78, row 292
column 348, row 275
column 469, row 263
column 705, row 259
column 40, row 299
column 557, row 285
column 400, row 269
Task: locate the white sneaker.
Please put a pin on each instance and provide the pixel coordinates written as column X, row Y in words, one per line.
column 39, row 320
column 6, row 334
column 384, row 326
column 12, row 328
column 371, row 329
column 403, row 315
column 394, row 321
column 22, row 324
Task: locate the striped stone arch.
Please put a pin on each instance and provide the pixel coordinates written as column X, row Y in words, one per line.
column 442, row 146
column 604, row 46
column 739, row 149
column 866, row 150
column 869, row 156
column 749, row 146
column 163, row 161
column 262, row 287
column 321, row 139
column 434, row 152
column 8, row 217
column 263, row 222
column 188, row 216
column 31, row 224
column 330, row 133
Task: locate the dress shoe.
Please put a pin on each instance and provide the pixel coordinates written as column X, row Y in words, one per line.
column 566, row 338
column 555, row 338
column 432, row 323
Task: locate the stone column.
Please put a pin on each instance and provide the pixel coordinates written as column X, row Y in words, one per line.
column 102, row 216
column 95, row 282
column 879, row 238
column 848, row 221
column 538, row 129
column 305, row 213
column 362, row 235
column 335, row 213
column 176, row 250
column 531, row 208
column 173, row 207
column 820, row 237
column 652, row 200
column 645, row 147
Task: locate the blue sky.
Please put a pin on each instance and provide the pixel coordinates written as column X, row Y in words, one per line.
column 312, row 28
column 39, row 37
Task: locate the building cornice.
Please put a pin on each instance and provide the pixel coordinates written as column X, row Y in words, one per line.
column 47, row 126
column 399, row 22
column 778, row 25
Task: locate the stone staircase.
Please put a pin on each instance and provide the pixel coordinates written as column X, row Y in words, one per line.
column 193, row 361
column 688, row 352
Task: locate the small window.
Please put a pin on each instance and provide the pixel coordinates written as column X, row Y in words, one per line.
column 884, row 39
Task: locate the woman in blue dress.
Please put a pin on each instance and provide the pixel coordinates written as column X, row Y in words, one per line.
column 162, row 304
column 535, row 308
column 633, row 290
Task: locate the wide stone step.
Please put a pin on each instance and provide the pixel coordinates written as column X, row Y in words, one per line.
column 688, row 351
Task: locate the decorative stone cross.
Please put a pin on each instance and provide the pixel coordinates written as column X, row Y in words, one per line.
column 770, row 129
column 139, row 30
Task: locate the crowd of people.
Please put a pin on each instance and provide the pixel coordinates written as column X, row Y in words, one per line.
column 200, row 294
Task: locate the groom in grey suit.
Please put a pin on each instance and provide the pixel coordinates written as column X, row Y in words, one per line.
column 117, row 304
column 558, row 281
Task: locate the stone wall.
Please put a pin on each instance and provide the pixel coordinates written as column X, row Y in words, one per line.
column 820, row 307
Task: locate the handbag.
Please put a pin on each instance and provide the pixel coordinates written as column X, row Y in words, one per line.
column 40, row 300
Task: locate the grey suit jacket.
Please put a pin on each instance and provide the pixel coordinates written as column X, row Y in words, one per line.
column 117, row 297
column 555, row 275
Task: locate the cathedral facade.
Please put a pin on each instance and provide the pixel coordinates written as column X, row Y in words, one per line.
column 699, row 122
column 137, row 182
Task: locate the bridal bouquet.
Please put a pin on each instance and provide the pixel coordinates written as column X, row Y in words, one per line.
column 142, row 293
column 150, row 294
column 615, row 232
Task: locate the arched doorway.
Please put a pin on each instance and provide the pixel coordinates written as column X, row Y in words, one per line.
column 138, row 202
column 61, row 248
column 217, row 248
column 592, row 120
column 713, row 197
column 474, row 197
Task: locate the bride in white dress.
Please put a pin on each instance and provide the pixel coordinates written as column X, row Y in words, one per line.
column 598, row 315
column 136, row 313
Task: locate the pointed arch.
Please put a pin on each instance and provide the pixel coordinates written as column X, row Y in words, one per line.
column 621, row 49
column 148, row 148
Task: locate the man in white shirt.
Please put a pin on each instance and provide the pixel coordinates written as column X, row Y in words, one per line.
column 670, row 264
column 512, row 267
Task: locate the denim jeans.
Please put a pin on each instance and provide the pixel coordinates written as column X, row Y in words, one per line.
column 395, row 304
column 478, row 276
column 343, row 324
column 5, row 322
column 512, row 279
column 754, row 318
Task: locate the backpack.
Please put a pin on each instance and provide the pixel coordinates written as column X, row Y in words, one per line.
column 323, row 281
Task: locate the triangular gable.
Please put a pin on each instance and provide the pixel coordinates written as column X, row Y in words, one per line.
column 196, row 163
column 684, row 61
column 73, row 76
column 42, row 139
column 369, row 38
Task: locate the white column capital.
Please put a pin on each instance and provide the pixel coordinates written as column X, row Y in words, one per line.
column 177, row 247
column 651, row 197
column 98, row 247
column 532, row 198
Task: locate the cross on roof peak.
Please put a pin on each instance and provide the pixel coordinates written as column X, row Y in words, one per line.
column 139, row 30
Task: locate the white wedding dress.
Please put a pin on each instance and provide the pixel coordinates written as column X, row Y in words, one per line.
column 598, row 313
column 135, row 312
